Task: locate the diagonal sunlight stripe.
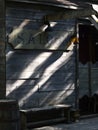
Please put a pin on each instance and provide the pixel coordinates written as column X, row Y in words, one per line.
column 95, row 18
column 24, row 73
column 56, row 65
column 95, row 7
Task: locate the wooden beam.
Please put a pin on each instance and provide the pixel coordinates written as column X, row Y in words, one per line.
column 55, row 1
column 95, row 7
column 70, row 14
column 94, row 20
column 38, row 5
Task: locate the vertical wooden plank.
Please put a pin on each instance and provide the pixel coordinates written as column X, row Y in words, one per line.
column 2, row 50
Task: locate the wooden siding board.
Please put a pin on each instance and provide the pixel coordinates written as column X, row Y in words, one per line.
column 57, row 98
column 21, row 13
column 61, row 74
column 33, row 66
column 18, row 63
column 16, row 17
column 57, row 87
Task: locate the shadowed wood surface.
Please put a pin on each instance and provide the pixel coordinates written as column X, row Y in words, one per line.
column 2, row 50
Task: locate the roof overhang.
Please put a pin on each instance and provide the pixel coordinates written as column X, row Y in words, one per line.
column 64, row 9
column 60, row 4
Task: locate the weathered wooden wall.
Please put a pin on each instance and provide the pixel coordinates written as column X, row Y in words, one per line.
column 40, row 77
column 44, row 76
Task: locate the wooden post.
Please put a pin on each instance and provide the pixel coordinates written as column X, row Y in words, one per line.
column 76, row 79
column 76, row 69
column 2, row 51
